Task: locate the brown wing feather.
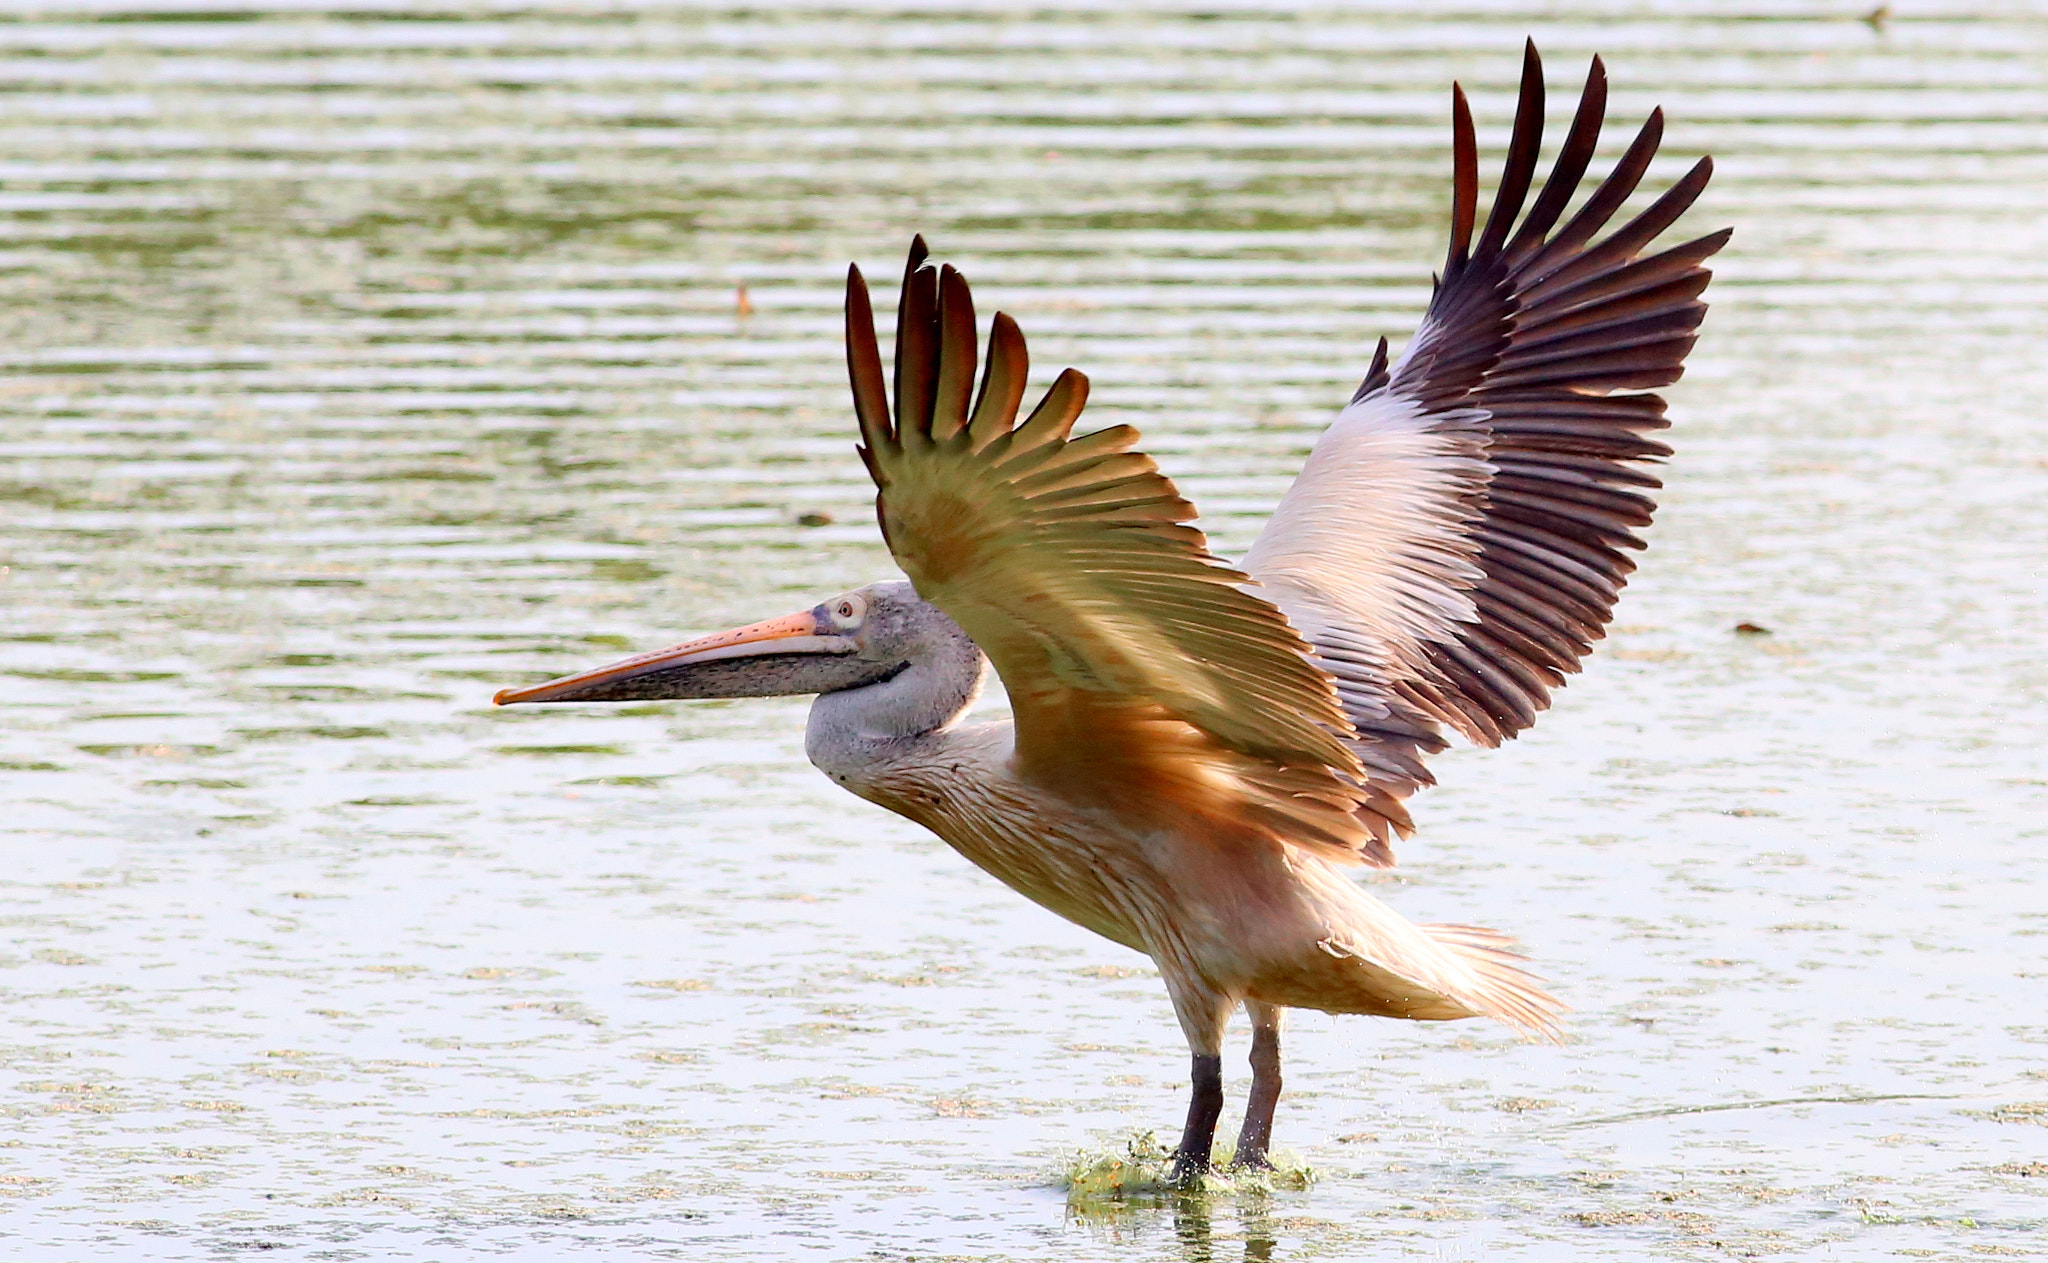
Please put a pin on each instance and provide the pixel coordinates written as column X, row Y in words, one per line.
column 1140, row 671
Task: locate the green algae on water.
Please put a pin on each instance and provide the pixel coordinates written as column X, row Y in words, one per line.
column 1135, row 1168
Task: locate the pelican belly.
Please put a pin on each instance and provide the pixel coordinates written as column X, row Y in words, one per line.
column 1245, row 917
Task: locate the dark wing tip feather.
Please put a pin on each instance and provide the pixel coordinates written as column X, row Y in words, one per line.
column 864, row 366
column 1607, row 198
column 1570, row 167
column 1375, row 375
column 1524, row 144
column 1535, row 325
column 1464, row 181
column 917, row 346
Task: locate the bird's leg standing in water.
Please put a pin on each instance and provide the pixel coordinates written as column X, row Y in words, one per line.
column 1205, row 1102
column 1203, row 1014
column 1256, row 1136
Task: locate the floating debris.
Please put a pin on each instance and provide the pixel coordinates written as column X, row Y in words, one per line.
column 2017, row 1112
column 814, row 519
column 1751, row 629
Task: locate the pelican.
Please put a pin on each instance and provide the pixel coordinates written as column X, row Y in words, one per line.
column 1199, row 753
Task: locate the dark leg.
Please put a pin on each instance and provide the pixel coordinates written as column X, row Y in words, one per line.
column 1203, row 1013
column 1205, row 1102
column 1257, row 1135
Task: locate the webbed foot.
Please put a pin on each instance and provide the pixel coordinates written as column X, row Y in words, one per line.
column 1188, row 1169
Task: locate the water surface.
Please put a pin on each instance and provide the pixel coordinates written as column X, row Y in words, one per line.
column 363, row 361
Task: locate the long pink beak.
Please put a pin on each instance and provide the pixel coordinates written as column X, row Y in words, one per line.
column 792, row 633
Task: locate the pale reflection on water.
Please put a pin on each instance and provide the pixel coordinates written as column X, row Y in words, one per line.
column 367, row 360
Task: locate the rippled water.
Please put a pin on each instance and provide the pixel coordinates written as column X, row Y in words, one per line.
column 362, row 361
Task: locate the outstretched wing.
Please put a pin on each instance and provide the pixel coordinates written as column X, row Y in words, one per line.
column 1130, row 654
column 1455, row 543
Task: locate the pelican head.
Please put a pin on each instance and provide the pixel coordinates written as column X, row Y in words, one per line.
column 867, row 636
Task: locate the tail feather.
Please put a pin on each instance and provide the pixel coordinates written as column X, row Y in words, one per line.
column 1500, row 986
column 1370, row 959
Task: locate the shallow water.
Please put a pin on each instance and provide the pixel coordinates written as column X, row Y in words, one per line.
column 365, row 361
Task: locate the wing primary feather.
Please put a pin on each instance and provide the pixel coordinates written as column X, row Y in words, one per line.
column 917, row 349
column 1602, row 469
column 1110, row 466
column 1570, row 590
column 1651, row 364
column 1616, row 300
column 1515, row 678
column 1002, row 383
column 1544, row 664
column 1615, row 335
column 1679, row 263
column 1594, row 559
column 1585, row 526
column 1625, row 412
column 1537, row 622
column 1606, row 439
column 1630, row 237
column 1464, row 183
column 1523, row 147
column 1498, row 694
column 956, row 355
column 1117, row 438
column 1572, row 160
column 864, row 368
column 1606, row 199
column 1467, row 713
column 1375, row 376
column 1055, row 414
column 1582, row 471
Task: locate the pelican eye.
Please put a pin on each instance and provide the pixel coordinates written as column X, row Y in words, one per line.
column 847, row 612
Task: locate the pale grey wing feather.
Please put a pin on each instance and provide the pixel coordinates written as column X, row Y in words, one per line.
column 1454, row 544
column 1372, row 557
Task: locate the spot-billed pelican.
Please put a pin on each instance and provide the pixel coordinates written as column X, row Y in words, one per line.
column 1198, row 752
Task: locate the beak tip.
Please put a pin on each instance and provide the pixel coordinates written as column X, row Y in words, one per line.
column 500, row 697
